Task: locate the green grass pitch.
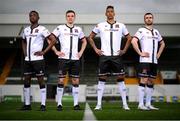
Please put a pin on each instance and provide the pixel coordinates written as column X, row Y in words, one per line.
column 10, row 110
column 111, row 111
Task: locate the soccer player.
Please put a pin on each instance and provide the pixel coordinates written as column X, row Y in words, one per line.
column 69, row 36
column 111, row 33
column 152, row 45
column 32, row 45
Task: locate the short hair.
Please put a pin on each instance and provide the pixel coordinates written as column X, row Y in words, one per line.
column 70, row 11
column 33, row 11
column 148, row 14
column 110, row 6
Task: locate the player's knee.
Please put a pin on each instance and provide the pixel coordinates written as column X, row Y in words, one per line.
column 27, row 84
column 142, row 84
column 61, row 80
column 144, row 80
column 150, row 85
column 102, row 79
column 75, row 85
column 60, row 85
column 120, row 79
column 42, row 86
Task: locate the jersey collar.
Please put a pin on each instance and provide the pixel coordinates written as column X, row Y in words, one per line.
column 34, row 26
column 148, row 28
column 111, row 23
column 69, row 27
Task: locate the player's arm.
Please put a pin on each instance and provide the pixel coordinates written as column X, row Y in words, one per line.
column 24, row 46
column 51, row 42
column 161, row 48
column 84, row 43
column 135, row 45
column 58, row 53
column 91, row 41
column 128, row 43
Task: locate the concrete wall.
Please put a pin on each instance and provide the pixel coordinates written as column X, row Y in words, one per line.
column 166, row 91
column 91, row 91
column 9, row 90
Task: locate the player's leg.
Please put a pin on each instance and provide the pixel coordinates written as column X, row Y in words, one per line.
column 143, row 74
column 103, row 67
column 150, row 86
column 63, row 66
column 74, row 74
column 39, row 67
column 118, row 70
column 27, row 85
column 75, row 92
column 122, row 90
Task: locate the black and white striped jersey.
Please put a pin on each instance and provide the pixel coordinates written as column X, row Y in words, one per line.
column 111, row 37
column 148, row 40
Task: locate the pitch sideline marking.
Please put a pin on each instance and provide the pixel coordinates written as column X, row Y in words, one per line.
column 88, row 114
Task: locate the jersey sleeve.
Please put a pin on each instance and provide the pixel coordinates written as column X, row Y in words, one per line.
column 96, row 29
column 56, row 31
column 138, row 34
column 23, row 35
column 45, row 32
column 159, row 37
column 81, row 34
column 124, row 30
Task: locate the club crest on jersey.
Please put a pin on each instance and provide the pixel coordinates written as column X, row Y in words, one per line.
column 156, row 33
column 37, row 30
column 140, row 31
column 117, row 26
column 76, row 30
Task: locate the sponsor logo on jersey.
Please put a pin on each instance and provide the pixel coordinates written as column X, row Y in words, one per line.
column 111, row 30
column 117, row 26
column 70, row 34
column 36, row 30
column 156, row 33
column 76, row 30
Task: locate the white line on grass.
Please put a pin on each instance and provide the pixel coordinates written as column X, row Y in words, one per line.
column 88, row 114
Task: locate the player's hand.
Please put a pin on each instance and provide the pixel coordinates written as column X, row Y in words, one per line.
column 60, row 54
column 99, row 52
column 79, row 55
column 157, row 56
column 121, row 52
column 144, row 54
column 39, row 53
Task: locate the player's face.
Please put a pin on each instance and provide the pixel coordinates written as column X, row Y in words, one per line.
column 70, row 17
column 110, row 13
column 148, row 19
column 33, row 17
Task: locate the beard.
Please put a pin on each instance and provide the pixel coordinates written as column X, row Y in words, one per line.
column 149, row 23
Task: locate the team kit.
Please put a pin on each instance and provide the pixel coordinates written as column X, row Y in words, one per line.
column 147, row 42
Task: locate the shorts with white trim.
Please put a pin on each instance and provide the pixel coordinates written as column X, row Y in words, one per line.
column 34, row 67
column 148, row 70
column 111, row 65
column 70, row 66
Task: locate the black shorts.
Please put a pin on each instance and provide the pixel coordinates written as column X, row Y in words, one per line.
column 34, row 67
column 111, row 65
column 148, row 70
column 70, row 66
